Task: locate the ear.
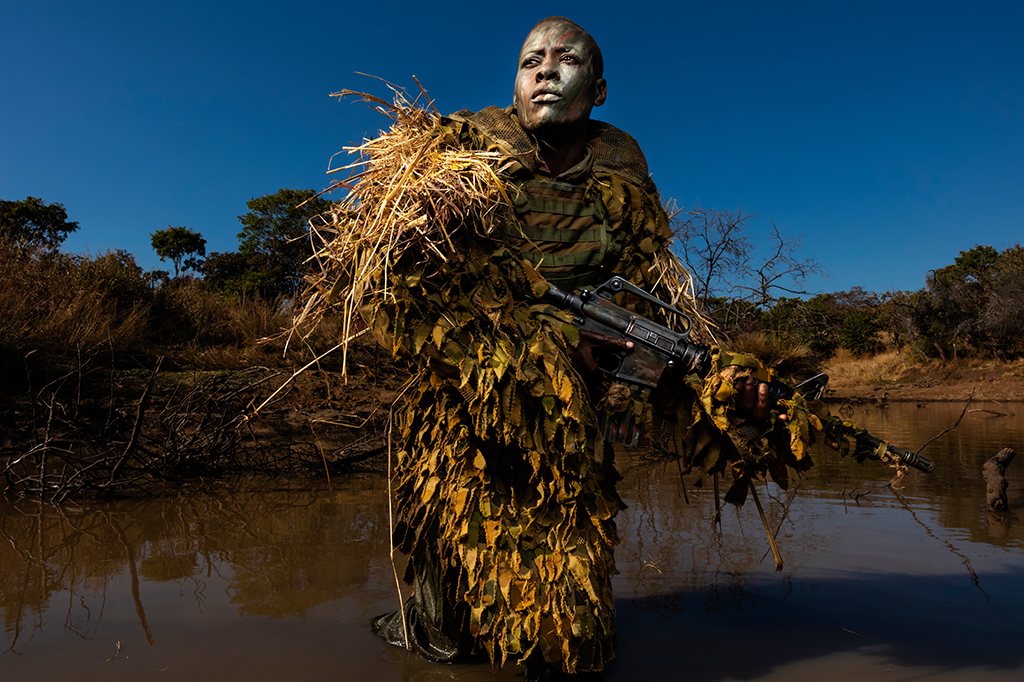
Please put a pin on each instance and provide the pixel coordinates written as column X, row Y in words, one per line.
column 602, row 92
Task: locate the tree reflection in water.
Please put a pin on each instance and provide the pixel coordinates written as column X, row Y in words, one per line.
column 263, row 581
column 281, row 551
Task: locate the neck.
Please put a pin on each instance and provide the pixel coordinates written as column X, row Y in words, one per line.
column 563, row 147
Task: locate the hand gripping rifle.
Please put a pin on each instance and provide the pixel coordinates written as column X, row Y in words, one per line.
column 656, row 348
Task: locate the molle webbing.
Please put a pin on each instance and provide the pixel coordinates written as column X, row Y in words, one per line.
column 562, row 232
column 615, row 151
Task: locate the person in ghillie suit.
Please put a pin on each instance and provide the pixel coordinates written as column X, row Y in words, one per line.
column 505, row 488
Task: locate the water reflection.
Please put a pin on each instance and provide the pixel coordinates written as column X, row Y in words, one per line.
column 276, row 552
column 260, row 582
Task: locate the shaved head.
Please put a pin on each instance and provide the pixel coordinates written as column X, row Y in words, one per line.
column 597, row 65
column 559, row 78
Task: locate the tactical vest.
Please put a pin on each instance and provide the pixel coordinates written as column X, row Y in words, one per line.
column 563, row 227
column 563, row 231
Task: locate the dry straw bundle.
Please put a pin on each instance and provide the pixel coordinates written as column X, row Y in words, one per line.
column 407, row 190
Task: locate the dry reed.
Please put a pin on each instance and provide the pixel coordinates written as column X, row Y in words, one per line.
column 407, row 190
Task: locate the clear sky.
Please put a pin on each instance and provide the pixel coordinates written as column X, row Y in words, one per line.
column 889, row 134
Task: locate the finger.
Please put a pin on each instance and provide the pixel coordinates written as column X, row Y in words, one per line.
column 594, row 336
column 747, row 394
column 596, row 339
column 624, row 344
column 764, row 402
column 583, row 359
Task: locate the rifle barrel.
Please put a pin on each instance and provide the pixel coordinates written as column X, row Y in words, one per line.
column 911, row 459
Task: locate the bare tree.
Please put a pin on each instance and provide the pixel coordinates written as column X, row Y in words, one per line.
column 726, row 267
column 783, row 271
column 715, row 248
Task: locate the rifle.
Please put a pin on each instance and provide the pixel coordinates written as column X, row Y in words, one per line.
column 656, row 348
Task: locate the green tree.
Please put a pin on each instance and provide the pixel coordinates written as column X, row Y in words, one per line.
column 222, row 270
column 274, row 241
column 959, row 294
column 184, row 246
column 240, row 277
column 1002, row 320
column 33, row 222
column 826, row 322
column 813, row 322
column 859, row 332
column 970, row 306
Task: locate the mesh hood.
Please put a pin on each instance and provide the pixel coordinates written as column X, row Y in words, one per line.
column 615, row 151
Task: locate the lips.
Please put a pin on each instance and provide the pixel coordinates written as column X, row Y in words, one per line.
column 546, row 96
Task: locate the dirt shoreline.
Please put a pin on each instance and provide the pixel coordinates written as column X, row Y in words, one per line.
column 987, row 382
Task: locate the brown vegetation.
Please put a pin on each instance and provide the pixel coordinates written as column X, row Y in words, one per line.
column 115, row 383
column 115, row 380
column 912, row 377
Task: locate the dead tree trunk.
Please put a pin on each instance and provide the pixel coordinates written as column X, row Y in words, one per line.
column 994, row 472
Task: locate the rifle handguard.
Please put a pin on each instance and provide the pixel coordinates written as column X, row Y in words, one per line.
column 656, row 347
column 594, row 311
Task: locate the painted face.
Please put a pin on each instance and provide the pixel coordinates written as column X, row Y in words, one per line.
column 555, row 85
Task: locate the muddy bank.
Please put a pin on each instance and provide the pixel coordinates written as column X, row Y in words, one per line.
column 109, row 433
column 986, row 381
column 103, row 432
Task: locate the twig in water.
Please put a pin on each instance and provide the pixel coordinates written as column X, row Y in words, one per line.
column 949, row 545
column 115, row 653
column 718, row 508
column 998, row 414
column 785, row 513
column 682, row 483
column 391, row 522
column 767, row 530
column 323, row 456
column 943, row 433
column 653, row 564
column 1009, row 412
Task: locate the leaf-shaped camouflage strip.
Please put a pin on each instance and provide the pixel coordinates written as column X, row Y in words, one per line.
column 500, row 473
column 530, row 512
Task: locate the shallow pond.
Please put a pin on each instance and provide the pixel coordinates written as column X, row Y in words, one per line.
column 280, row 582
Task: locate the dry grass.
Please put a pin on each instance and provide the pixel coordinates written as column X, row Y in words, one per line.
column 845, row 370
column 60, row 311
column 787, row 360
column 407, row 190
column 414, row 190
column 55, row 306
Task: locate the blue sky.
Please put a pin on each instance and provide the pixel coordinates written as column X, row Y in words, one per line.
column 889, row 134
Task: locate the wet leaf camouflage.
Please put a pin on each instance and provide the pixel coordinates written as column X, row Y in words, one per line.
column 501, row 475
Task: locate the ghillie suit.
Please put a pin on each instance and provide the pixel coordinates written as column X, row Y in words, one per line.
column 505, row 491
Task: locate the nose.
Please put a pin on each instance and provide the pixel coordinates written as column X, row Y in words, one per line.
column 548, row 70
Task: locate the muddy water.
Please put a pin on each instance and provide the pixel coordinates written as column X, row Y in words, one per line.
column 271, row 583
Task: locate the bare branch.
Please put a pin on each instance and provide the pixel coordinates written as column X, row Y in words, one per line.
column 728, row 273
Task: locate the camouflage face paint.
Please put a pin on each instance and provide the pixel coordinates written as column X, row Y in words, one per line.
column 555, row 84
